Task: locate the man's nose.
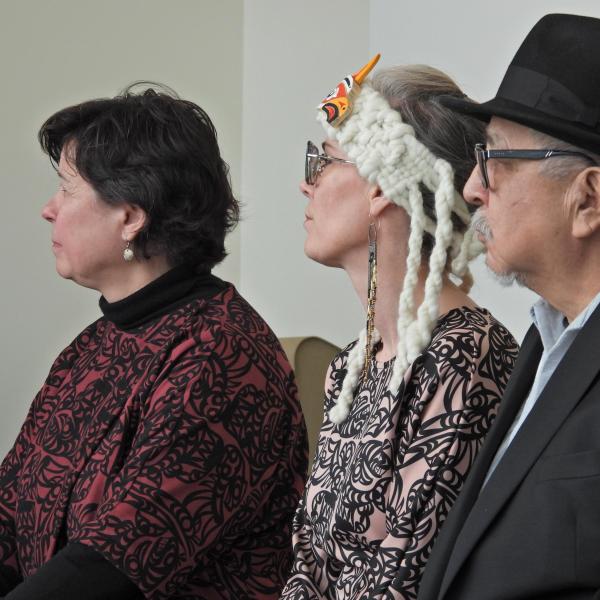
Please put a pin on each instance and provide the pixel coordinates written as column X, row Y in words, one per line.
column 474, row 192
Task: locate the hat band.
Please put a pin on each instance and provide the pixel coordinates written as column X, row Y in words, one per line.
column 541, row 92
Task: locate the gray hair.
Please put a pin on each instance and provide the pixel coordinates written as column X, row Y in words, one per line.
column 414, row 91
column 562, row 166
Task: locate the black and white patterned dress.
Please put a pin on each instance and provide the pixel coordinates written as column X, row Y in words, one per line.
column 384, row 480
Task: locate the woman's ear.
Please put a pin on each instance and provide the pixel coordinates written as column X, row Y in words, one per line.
column 134, row 220
column 377, row 202
column 585, row 192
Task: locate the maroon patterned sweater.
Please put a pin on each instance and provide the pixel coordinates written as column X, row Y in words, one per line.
column 168, row 438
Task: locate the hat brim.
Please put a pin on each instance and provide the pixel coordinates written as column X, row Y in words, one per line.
column 559, row 128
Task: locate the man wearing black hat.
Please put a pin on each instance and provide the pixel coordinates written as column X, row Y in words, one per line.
column 527, row 523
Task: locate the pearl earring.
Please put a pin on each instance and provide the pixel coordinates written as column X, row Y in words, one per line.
column 128, row 254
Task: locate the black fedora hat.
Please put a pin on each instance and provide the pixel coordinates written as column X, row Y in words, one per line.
column 552, row 84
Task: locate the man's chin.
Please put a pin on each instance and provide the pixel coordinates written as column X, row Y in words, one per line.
column 504, row 277
column 507, row 278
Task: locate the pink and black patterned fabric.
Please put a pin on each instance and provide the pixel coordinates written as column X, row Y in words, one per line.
column 384, row 480
column 172, row 443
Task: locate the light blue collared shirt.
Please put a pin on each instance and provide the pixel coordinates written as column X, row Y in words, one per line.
column 557, row 336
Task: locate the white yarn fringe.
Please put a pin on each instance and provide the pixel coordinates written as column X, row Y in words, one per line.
column 387, row 153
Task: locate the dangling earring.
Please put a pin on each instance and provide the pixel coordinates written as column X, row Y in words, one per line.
column 128, row 254
column 371, row 296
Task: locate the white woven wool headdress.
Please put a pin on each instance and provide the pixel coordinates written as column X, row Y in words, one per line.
column 387, row 153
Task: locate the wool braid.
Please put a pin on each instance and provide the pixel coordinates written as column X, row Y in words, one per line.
column 354, row 364
column 465, row 246
column 406, row 305
column 470, row 248
column 387, row 153
column 428, row 312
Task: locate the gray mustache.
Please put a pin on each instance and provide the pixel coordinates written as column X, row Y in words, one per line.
column 480, row 225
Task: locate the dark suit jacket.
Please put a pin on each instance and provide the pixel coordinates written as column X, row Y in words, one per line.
column 533, row 531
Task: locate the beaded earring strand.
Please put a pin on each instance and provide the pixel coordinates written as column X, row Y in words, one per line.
column 371, row 298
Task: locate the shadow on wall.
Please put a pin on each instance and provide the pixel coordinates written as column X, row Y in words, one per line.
column 310, row 358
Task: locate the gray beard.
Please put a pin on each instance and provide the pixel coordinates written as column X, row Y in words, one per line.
column 505, row 279
column 508, row 278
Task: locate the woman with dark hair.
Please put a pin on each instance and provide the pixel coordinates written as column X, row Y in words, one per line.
column 166, row 452
column 408, row 404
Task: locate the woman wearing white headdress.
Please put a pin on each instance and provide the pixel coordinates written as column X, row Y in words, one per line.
column 408, row 404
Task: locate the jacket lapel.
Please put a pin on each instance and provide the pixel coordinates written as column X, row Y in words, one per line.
column 568, row 384
column 515, row 393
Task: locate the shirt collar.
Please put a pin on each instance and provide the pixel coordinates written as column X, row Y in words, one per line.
column 172, row 289
column 552, row 324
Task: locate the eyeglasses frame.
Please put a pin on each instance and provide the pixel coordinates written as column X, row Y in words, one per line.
column 482, row 156
column 311, row 175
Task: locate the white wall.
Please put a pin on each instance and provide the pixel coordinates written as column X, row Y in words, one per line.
column 294, row 53
column 57, row 53
column 474, row 42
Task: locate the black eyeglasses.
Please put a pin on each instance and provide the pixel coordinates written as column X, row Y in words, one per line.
column 482, row 156
column 314, row 163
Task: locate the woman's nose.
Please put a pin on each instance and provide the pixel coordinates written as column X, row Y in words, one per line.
column 306, row 188
column 49, row 210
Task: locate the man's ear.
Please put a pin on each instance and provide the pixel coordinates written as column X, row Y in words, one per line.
column 377, row 202
column 585, row 203
column 134, row 220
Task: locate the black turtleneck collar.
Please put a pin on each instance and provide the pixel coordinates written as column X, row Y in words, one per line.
column 167, row 292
